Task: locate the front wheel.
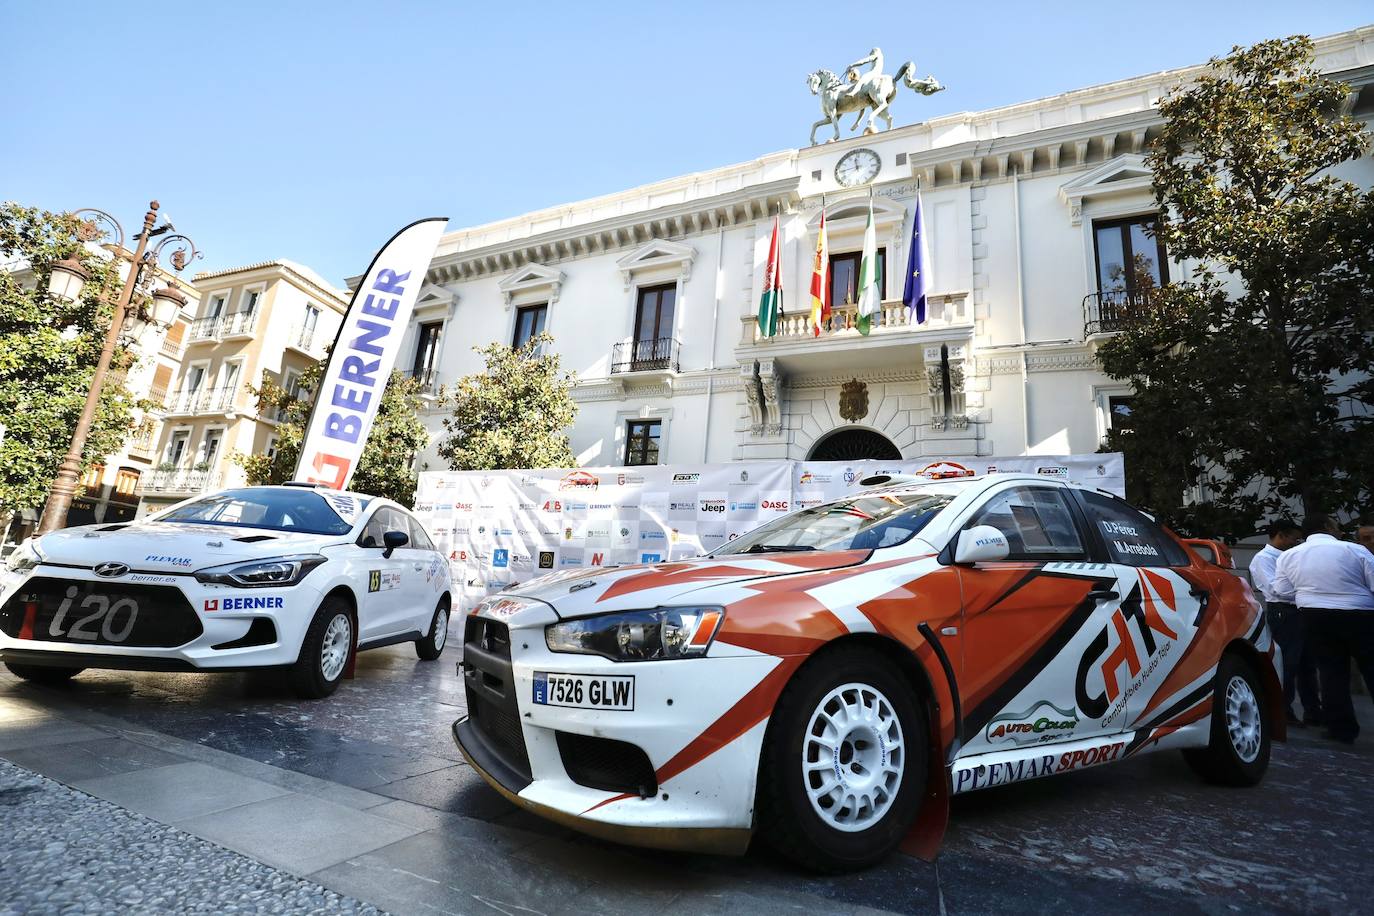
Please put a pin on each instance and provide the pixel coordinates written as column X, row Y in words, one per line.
column 1237, row 753
column 43, row 674
column 432, row 645
column 844, row 762
column 324, row 651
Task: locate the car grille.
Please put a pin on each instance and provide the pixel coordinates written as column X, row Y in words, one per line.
column 614, row 766
column 100, row 614
column 490, row 687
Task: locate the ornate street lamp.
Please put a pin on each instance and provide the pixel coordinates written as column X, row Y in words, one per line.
column 66, row 281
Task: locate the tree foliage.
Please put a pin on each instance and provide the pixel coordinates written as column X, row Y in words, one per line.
column 387, row 465
column 1252, row 373
column 48, row 353
column 514, row 413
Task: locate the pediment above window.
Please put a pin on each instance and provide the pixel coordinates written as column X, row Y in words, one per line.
column 532, row 278
column 852, row 215
column 434, row 299
column 657, row 254
column 1124, row 175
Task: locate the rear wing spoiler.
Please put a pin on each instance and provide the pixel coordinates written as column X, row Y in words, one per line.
column 1214, row 552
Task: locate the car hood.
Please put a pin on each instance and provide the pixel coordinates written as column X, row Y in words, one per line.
column 171, row 547
column 585, row 592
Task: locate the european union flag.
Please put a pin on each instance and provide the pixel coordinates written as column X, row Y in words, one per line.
column 914, row 293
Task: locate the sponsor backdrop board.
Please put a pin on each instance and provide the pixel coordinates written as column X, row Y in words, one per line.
column 499, row 528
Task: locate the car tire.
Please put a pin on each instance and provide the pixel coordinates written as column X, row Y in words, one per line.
column 43, row 674
column 1237, row 753
column 432, row 645
column 320, row 666
column 805, row 811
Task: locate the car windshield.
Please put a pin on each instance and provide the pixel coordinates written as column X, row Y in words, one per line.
column 857, row 523
column 262, row 507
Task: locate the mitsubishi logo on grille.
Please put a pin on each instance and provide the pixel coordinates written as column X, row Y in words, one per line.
column 110, row 570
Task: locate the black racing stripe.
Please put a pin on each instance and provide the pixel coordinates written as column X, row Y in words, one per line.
column 1259, row 628
column 1005, row 692
column 1182, row 705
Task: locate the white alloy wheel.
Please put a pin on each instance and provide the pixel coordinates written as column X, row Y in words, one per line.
column 853, row 757
column 440, row 628
column 1243, row 719
column 337, row 641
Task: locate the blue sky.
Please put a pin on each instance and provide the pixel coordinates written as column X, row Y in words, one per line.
column 312, row 131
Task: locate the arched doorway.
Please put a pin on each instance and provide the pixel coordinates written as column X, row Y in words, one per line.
column 854, row 445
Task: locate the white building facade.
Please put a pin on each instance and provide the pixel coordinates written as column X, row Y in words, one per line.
column 1031, row 214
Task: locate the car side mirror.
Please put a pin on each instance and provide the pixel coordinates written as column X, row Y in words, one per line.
column 392, row 540
column 981, row 544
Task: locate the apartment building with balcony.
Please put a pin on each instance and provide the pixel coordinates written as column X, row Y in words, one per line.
column 1037, row 220
column 272, row 321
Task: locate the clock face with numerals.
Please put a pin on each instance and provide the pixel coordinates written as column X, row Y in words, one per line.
column 856, row 167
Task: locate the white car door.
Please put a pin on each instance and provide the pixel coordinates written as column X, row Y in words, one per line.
column 420, row 573
column 382, row 605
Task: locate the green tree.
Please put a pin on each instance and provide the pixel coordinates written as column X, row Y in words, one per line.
column 1252, row 373
column 514, row 413
column 48, row 352
column 387, row 465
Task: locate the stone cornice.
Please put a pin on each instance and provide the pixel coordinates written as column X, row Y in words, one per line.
column 619, row 233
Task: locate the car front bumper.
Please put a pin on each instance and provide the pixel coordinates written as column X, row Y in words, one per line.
column 696, row 729
column 221, row 619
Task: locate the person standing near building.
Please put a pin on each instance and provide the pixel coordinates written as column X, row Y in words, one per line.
column 1365, row 535
column 1299, row 666
column 1332, row 583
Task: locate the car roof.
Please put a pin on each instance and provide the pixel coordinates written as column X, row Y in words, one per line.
column 979, row 482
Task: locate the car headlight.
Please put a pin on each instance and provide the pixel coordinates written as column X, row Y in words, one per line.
column 24, row 557
column 639, row 636
column 277, row 571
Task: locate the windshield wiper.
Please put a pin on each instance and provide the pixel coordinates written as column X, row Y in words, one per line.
column 777, row 548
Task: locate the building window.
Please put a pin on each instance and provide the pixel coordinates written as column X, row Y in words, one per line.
column 529, row 322
column 641, row 442
column 216, row 305
column 654, row 317
column 126, row 482
column 91, row 479
column 250, row 301
column 426, row 349
column 1130, row 258
column 844, row 276
column 176, row 448
column 1119, row 413
column 309, row 325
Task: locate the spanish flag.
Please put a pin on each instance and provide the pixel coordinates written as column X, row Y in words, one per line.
column 820, row 282
column 770, row 304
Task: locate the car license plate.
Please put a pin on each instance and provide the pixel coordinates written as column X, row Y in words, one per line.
column 584, row 691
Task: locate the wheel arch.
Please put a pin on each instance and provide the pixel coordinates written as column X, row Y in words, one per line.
column 1263, row 665
column 346, row 594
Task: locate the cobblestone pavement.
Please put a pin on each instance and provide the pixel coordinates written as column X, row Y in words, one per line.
column 67, row 852
column 411, row 828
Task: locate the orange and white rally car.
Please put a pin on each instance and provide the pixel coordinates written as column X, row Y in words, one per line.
column 829, row 680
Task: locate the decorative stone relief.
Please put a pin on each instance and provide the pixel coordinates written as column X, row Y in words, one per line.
column 957, row 417
column 771, row 383
column 753, row 396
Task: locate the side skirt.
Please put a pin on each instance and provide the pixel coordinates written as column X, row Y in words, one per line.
column 999, row 768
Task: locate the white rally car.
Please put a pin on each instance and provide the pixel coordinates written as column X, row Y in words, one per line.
column 295, row 576
column 827, row 681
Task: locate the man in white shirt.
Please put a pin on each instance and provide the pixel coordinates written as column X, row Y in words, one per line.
column 1332, row 583
column 1299, row 664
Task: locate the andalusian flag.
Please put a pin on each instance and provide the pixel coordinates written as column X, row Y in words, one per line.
column 770, row 304
column 820, row 283
column 870, row 296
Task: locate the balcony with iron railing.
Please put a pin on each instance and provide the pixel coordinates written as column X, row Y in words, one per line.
column 239, row 324
column 427, row 377
column 186, row 481
column 307, row 339
column 171, row 346
column 187, row 402
column 204, row 330
column 1109, row 311
column 658, row 355
column 141, row 443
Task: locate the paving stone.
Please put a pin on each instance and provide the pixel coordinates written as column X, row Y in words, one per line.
column 36, row 732
column 456, row 788
column 83, row 760
column 181, row 791
column 298, row 833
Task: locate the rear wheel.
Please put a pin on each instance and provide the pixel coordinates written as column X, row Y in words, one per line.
column 432, row 645
column 1238, row 752
column 324, row 651
column 43, row 674
column 844, row 762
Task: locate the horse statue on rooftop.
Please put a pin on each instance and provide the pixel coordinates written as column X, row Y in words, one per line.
column 870, row 93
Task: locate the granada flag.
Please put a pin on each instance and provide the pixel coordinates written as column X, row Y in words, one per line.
column 820, row 283
column 364, row 353
column 770, row 304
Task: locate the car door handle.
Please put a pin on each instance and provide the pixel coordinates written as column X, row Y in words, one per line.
column 1104, row 594
column 419, row 567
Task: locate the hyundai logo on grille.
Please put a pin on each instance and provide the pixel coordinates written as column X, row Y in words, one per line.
column 111, row 570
